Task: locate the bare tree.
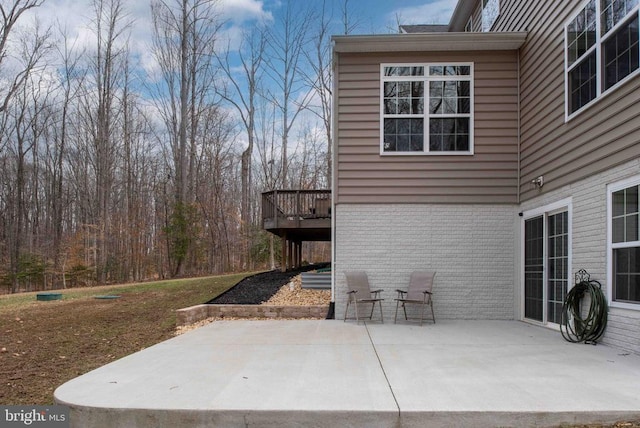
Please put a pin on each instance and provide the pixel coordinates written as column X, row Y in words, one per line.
column 102, row 108
column 28, row 116
column 348, row 24
column 241, row 92
column 11, row 13
column 215, row 194
column 135, row 176
column 184, row 43
column 308, row 161
column 269, row 159
column 71, row 78
column 286, row 45
column 22, row 115
column 320, row 78
column 268, row 147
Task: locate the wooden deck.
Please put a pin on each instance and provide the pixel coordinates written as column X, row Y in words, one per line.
column 297, row 216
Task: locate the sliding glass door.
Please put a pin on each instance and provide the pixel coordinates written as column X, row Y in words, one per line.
column 546, row 265
column 534, row 268
column 558, row 265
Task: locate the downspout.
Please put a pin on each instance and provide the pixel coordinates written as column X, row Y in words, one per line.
column 519, row 265
column 334, row 151
column 518, row 135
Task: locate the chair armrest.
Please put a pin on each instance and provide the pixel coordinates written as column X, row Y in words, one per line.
column 352, row 292
column 401, row 291
column 375, row 293
column 427, row 292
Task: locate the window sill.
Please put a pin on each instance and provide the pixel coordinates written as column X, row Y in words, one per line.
column 426, row 153
column 635, row 307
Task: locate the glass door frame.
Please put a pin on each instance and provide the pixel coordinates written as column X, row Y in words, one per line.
column 564, row 205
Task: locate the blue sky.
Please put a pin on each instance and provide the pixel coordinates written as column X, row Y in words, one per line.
column 380, row 16
column 371, row 17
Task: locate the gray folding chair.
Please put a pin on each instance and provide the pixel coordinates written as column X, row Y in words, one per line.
column 420, row 292
column 359, row 293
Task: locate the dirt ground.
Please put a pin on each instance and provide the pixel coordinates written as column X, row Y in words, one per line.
column 44, row 344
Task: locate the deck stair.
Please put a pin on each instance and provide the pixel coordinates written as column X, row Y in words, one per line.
column 316, row 280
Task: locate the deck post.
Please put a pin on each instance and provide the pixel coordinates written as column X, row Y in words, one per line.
column 283, row 265
column 299, row 259
column 290, row 255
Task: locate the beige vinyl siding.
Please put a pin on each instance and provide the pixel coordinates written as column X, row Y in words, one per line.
column 488, row 176
column 600, row 137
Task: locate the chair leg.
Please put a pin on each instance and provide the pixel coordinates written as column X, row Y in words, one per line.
column 422, row 314
column 404, row 308
column 381, row 316
column 355, row 305
column 346, row 310
column 432, row 314
column 395, row 318
column 373, row 306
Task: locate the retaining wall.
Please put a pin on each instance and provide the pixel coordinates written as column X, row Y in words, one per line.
column 197, row 313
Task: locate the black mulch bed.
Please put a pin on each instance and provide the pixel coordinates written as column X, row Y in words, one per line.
column 259, row 288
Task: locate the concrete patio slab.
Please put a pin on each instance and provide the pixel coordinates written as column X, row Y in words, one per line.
column 320, row 373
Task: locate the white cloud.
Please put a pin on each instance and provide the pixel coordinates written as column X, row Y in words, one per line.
column 241, row 11
column 433, row 12
column 240, row 15
column 77, row 16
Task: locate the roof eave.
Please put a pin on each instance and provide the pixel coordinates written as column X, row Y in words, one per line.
column 430, row 42
column 460, row 17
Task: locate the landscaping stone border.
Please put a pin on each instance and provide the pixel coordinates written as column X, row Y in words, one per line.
column 197, row 313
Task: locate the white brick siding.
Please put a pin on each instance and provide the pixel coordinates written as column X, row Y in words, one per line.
column 589, row 199
column 476, row 251
column 471, row 247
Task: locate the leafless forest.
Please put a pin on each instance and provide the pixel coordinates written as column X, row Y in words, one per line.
column 112, row 172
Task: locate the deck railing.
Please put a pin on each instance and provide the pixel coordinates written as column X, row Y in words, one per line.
column 296, row 204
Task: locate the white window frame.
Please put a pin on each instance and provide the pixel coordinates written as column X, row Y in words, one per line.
column 564, row 205
column 598, row 47
column 611, row 189
column 490, row 14
column 426, row 115
column 469, row 27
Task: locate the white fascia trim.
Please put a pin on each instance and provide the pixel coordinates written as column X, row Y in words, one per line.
column 429, row 42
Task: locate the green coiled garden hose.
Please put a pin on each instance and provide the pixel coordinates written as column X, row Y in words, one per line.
column 589, row 328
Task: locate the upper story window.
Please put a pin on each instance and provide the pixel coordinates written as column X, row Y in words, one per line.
column 624, row 242
column 602, row 50
column 490, row 13
column 426, row 109
column 469, row 27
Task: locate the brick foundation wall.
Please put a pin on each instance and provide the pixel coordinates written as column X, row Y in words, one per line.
column 197, row 313
column 471, row 247
column 589, row 238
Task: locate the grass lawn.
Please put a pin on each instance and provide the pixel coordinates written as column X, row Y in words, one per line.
column 44, row 344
